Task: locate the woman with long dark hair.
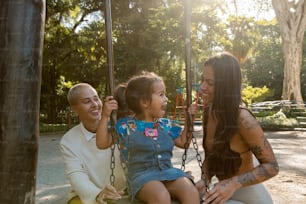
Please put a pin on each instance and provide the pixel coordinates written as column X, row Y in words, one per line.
column 232, row 137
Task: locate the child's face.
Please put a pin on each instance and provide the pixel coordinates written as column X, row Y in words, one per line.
column 158, row 105
column 208, row 85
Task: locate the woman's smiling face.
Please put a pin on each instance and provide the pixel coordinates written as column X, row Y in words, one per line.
column 208, row 84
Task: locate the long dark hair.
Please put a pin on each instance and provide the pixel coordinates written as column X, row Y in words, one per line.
column 222, row 161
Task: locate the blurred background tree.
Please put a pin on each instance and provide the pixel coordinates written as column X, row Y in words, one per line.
column 149, row 35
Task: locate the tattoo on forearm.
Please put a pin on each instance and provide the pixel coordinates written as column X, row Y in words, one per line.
column 275, row 165
column 246, row 179
column 262, row 172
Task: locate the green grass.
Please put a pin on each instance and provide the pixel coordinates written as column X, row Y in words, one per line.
column 44, row 128
column 276, row 121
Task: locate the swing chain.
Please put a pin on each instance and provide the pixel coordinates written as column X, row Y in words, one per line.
column 196, row 148
column 112, row 166
column 122, row 160
column 116, row 140
column 186, row 145
column 113, row 122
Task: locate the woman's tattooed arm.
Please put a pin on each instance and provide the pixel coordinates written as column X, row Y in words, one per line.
column 253, row 136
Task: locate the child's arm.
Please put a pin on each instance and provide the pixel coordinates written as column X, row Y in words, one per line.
column 186, row 136
column 103, row 135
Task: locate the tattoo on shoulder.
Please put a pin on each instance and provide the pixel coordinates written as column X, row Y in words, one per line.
column 249, row 122
column 257, row 150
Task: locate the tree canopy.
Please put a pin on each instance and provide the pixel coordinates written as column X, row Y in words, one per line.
column 149, row 35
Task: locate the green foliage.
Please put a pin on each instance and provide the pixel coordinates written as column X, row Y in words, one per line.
column 265, row 67
column 252, row 94
column 63, row 86
column 277, row 121
column 70, row 51
column 150, row 35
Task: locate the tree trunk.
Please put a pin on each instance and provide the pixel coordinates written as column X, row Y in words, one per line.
column 21, row 40
column 292, row 71
column 291, row 17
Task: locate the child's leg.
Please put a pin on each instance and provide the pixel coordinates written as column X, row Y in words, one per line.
column 183, row 190
column 154, row 192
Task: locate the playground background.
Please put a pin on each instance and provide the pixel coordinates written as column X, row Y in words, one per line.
column 288, row 187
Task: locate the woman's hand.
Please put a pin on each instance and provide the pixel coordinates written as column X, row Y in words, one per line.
column 221, row 192
column 108, row 193
column 202, row 188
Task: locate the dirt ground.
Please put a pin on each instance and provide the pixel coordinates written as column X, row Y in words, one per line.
column 288, row 187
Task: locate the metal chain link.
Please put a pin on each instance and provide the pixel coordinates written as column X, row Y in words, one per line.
column 115, row 137
column 184, row 155
column 196, row 148
column 122, row 159
column 112, row 166
column 113, row 134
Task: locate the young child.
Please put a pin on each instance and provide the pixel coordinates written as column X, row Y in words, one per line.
column 148, row 141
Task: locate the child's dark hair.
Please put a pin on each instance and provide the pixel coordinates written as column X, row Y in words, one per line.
column 119, row 95
column 140, row 88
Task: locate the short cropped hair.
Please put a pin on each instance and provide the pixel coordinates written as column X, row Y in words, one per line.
column 74, row 92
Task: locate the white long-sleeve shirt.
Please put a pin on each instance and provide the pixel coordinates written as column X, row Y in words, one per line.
column 88, row 168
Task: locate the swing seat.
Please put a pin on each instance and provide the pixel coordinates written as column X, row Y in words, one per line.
column 126, row 200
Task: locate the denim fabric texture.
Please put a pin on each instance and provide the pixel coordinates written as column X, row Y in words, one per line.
column 148, row 156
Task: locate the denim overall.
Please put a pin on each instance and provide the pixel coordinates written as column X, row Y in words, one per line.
column 148, row 157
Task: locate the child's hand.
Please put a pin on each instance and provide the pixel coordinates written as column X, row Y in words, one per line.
column 109, row 105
